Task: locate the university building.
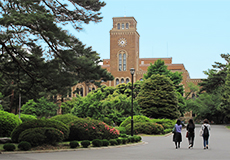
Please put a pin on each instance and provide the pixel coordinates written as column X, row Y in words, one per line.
column 124, row 54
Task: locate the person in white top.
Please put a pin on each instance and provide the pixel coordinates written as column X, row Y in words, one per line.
column 205, row 128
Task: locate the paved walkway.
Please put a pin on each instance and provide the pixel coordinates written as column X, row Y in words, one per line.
column 156, row 148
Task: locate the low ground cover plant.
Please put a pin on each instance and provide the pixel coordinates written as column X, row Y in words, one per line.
column 9, row 147
column 74, row 144
column 97, row 143
column 85, row 143
column 136, row 119
column 24, row 146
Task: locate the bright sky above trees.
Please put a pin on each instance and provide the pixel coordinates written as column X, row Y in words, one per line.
column 192, row 32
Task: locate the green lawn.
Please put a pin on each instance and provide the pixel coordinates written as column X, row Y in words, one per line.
column 228, row 127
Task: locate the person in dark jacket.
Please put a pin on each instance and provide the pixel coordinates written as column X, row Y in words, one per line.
column 177, row 138
column 191, row 133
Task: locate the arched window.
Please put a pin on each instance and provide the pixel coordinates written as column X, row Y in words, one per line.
column 93, row 89
column 81, row 92
column 124, row 62
column 127, row 26
column 117, row 81
column 127, row 80
column 89, row 89
column 122, row 26
column 118, row 26
column 120, row 62
column 122, row 80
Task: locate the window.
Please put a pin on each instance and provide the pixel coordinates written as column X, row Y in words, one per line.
column 117, row 81
column 89, row 89
column 127, row 80
column 118, row 26
column 120, row 62
column 81, row 92
column 127, row 26
column 122, row 80
column 93, row 89
column 122, row 26
column 124, row 62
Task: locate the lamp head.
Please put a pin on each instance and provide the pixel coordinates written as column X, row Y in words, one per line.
column 132, row 70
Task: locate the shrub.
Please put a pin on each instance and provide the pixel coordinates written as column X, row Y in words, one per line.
column 122, row 130
column 166, row 123
column 8, row 122
column 105, row 142
column 137, row 138
column 136, row 119
column 131, row 139
column 124, row 140
column 85, row 143
column 97, row 143
column 39, row 123
column 24, row 146
column 167, row 130
column 39, row 136
column 65, row 118
column 146, row 128
column 119, row 141
column 89, row 129
column 74, row 144
column 9, row 147
column 26, row 117
column 113, row 142
column 123, row 135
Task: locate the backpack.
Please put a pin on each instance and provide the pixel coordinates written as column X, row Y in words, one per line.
column 206, row 132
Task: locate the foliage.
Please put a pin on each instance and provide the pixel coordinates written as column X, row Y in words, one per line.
column 1, row 96
column 26, row 117
column 119, row 141
column 39, row 136
column 67, row 106
column 84, row 129
column 24, row 146
column 42, row 108
column 74, row 144
column 113, row 142
column 160, row 68
column 32, row 30
column 97, row 142
column 166, row 123
column 64, row 118
column 192, row 89
column 121, row 129
column 136, row 118
column 39, row 123
column 8, row 122
column 145, row 128
column 85, row 143
column 158, row 98
column 105, row 142
column 131, row 139
column 9, row 147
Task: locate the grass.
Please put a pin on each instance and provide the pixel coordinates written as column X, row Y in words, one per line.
column 228, row 127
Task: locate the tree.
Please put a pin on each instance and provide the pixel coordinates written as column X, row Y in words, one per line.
column 160, row 68
column 158, row 98
column 42, row 108
column 192, row 89
column 38, row 55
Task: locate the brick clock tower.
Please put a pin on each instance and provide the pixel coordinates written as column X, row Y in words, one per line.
column 124, row 48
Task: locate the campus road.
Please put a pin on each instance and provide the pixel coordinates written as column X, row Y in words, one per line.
column 155, row 148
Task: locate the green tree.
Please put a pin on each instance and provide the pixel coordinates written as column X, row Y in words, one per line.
column 41, row 108
column 160, row 68
column 192, row 89
column 158, row 98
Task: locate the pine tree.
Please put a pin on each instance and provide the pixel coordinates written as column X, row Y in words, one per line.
column 158, row 98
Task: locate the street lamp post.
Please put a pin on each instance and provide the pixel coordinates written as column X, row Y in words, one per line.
column 132, row 70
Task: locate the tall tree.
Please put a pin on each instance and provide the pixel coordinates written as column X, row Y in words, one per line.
column 158, row 98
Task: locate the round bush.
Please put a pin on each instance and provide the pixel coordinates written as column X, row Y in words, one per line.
column 8, row 122
column 24, row 146
column 74, row 144
column 39, row 123
column 26, row 117
column 105, row 142
column 39, row 136
column 124, row 140
column 65, row 118
column 113, row 142
column 131, row 139
column 97, row 143
column 145, row 128
column 166, row 123
column 9, row 147
column 119, row 141
column 89, row 129
column 85, row 143
column 136, row 119
column 123, row 135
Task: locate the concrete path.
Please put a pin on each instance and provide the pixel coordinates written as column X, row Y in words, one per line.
column 156, row 148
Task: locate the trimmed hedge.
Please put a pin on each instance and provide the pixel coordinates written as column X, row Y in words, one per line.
column 85, row 143
column 65, row 118
column 24, row 146
column 97, row 143
column 39, row 123
column 26, row 117
column 8, row 122
column 105, row 142
column 39, row 136
column 166, row 123
column 89, row 129
column 113, row 142
column 145, row 128
column 136, row 119
column 74, row 144
column 9, row 147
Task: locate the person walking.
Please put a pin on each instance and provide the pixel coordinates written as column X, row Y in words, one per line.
column 205, row 130
column 177, row 138
column 190, row 133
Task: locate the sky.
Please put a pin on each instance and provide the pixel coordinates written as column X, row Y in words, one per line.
column 192, row 32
